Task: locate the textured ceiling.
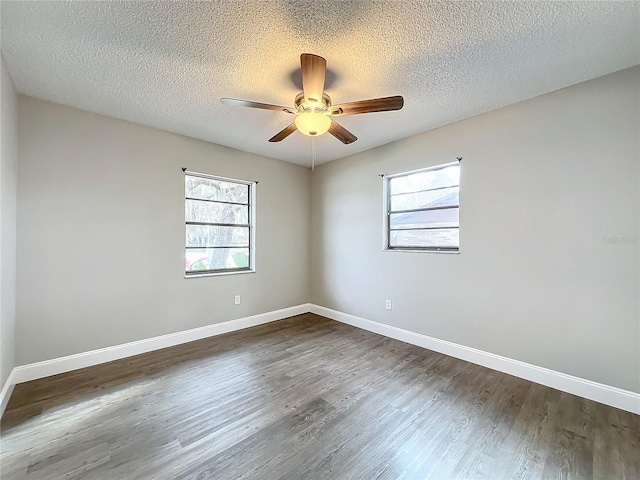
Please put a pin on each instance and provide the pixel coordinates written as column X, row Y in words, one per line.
column 167, row 64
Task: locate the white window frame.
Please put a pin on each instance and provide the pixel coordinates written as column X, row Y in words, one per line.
column 386, row 245
column 252, row 228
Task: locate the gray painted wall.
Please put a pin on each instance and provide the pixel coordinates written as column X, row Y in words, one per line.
column 101, row 233
column 545, row 185
column 8, row 181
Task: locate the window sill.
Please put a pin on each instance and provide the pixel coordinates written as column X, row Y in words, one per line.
column 421, row 250
column 217, row 274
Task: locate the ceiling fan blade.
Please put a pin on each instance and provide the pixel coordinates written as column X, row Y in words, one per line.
column 341, row 133
column 247, row 103
column 313, row 72
column 284, row 133
column 367, row 106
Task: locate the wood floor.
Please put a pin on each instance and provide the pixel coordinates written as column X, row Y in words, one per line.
column 308, row 398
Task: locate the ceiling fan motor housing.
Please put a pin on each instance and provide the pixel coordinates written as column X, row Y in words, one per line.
column 310, row 105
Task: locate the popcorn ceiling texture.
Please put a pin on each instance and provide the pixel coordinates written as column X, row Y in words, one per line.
column 167, row 64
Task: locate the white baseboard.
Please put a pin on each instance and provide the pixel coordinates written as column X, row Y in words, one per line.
column 55, row 366
column 615, row 397
column 7, row 390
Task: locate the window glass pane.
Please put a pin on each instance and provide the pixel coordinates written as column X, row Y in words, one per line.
column 198, row 211
column 211, row 189
column 200, row 259
column 428, row 179
column 216, row 248
column 426, row 218
column 426, row 199
column 424, row 238
column 215, row 236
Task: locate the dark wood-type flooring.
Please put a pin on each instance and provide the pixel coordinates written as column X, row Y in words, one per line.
column 308, row 398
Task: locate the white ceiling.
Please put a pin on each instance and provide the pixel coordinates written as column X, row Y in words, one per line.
column 167, row 64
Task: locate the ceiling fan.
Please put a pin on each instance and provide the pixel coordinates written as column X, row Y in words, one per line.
column 313, row 108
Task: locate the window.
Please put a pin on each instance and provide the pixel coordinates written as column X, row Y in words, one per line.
column 422, row 209
column 219, row 225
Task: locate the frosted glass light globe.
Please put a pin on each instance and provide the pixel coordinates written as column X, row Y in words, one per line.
column 313, row 123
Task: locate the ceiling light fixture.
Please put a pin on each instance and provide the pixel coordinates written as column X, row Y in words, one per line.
column 313, row 123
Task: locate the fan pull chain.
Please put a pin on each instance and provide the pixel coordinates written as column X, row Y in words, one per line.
column 313, row 153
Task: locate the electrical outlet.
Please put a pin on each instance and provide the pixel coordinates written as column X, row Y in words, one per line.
column 237, row 300
column 387, row 304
